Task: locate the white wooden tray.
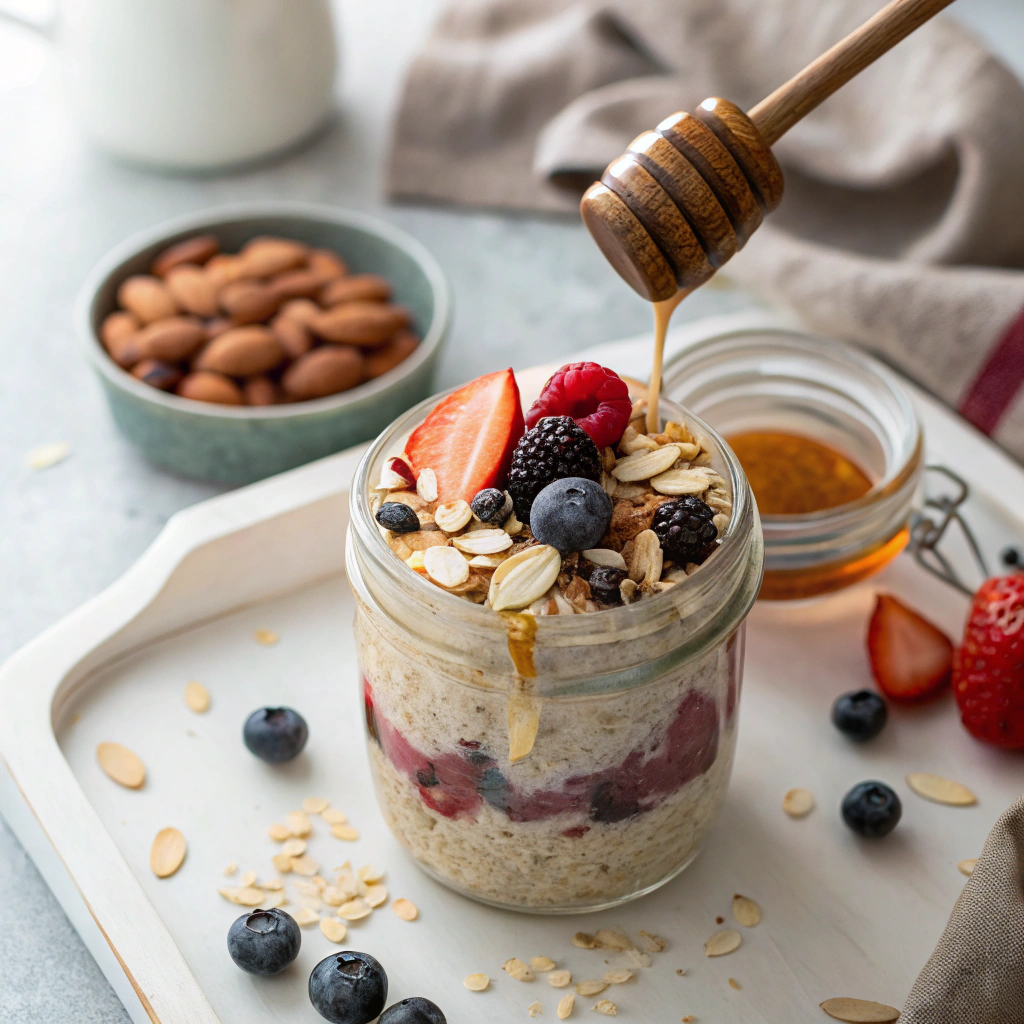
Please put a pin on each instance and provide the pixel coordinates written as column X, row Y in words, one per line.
column 841, row 916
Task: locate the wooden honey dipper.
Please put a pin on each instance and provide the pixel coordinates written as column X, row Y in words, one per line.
column 687, row 196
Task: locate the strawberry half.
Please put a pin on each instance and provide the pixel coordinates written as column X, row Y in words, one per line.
column 469, row 437
column 911, row 659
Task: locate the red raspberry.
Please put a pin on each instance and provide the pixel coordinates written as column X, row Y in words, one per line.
column 594, row 396
column 988, row 667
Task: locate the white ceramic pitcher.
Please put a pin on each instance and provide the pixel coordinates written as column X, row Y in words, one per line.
column 195, row 84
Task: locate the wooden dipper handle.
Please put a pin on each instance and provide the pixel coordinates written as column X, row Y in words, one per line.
column 686, row 196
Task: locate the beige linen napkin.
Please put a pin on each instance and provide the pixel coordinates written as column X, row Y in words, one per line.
column 904, row 214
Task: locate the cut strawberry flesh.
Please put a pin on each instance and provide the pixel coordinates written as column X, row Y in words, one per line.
column 469, row 437
column 911, row 659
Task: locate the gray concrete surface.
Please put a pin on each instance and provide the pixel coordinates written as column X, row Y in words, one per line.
column 527, row 290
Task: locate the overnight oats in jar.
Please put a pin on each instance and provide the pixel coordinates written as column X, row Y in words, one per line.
column 550, row 630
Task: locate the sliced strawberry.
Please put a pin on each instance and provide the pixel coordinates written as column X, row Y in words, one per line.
column 911, row 659
column 469, row 437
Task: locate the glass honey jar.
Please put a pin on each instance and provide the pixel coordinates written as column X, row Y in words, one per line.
column 829, row 440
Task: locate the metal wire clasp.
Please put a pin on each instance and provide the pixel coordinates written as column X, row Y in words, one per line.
column 926, row 534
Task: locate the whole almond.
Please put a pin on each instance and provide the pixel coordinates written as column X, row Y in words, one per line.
column 158, row 374
column 360, row 323
column 324, row 371
column 147, row 297
column 326, row 264
column 357, row 288
column 118, row 334
column 387, row 356
column 204, row 386
column 295, row 284
column 305, row 311
column 174, row 338
column 261, row 391
column 293, row 337
column 197, row 249
column 225, row 268
column 248, row 302
column 266, row 256
column 192, row 289
column 242, row 352
column 218, row 325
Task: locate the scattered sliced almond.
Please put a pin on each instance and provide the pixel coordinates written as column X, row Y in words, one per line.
column 940, row 790
column 124, row 767
column 605, row 556
column 197, row 697
column 535, row 1009
column 542, row 964
column 651, row 943
column 305, row 865
column 370, row 874
column 231, row 868
column 643, row 465
column 559, row 979
column 798, row 803
column 168, row 853
column 249, row 896
column 282, row 862
column 512, row 526
column 517, row 969
column 314, row 804
column 452, row 516
column 445, row 566
column 304, row 916
column 746, row 911
column 648, row 559
column 274, row 899
column 354, row 910
column 484, row 542
column 333, row 816
column 249, row 878
column 592, row 987
column 476, row 982
column 618, row 976
column 725, row 941
column 293, row 847
column 376, row 895
column 43, row 456
column 681, row 481
column 638, row 959
column 565, row 1006
column 278, row 832
column 733, row 983
column 345, row 832
column 333, row 929
column 584, row 941
column 267, row 637
column 609, row 938
column 298, row 824
column 860, row 1011
column 405, row 909
column 966, row 867
column 273, row 885
column 606, row 1007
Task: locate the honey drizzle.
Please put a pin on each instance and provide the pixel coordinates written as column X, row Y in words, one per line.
column 662, row 314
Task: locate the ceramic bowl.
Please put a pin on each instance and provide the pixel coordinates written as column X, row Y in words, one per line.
column 233, row 445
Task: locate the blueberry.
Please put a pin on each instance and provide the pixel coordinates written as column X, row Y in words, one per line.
column 860, row 715
column 1011, row 557
column 348, row 988
column 571, row 514
column 264, row 942
column 871, row 809
column 416, row 1010
column 492, row 506
column 275, row 734
column 397, row 518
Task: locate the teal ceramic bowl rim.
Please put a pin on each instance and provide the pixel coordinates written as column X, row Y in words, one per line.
column 111, row 265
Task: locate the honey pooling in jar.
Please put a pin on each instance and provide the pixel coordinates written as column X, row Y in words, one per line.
column 794, row 475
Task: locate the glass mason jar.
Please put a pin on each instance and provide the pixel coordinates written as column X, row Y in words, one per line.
column 629, row 715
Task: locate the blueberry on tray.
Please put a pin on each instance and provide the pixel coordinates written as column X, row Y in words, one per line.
column 861, row 715
column 871, row 809
column 416, row 1010
column 264, row 942
column 348, row 988
column 275, row 735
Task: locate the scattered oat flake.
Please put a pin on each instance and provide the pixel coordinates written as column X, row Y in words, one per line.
column 298, row 824
column 559, row 979
column 333, row 929
column 476, row 982
column 608, row 938
column 294, row 847
column 249, row 878
column 274, row 885
column 304, row 916
column 245, row 897
column 376, row 895
column 860, row 1011
column 278, row 832
column 535, row 1009
column 584, row 941
column 517, row 969
column 542, row 963
column 120, row 764
column 168, row 852
column 638, row 959
column 746, row 911
column 405, row 909
column 565, row 1006
column 282, row 862
column 314, row 804
column 618, row 976
column 651, row 943
column 593, row 987
column 725, row 941
column 798, row 803
column 940, row 790
column 333, row 816
column 305, row 865
column 197, row 697
column 345, row 832
column 267, row 637
column 43, row 456
column 607, row 1007
column 733, row 983
column 369, row 874
column 966, row 867
column 230, row 869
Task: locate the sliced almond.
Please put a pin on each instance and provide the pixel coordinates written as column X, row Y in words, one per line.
column 512, row 526
column 298, row 824
column 484, row 542
column 197, row 697
column 121, row 765
column 542, row 964
column 966, row 867
column 487, row 561
column 294, row 847
column 167, row 853
column 681, row 481
column 278, row 832
column 733, row 983
column 606, row 1007
column 304, row 916
column 534, row 1009
column 273, row 885
column 639, row 959
column 604, row 556
column 651, row 943
column 476, row 982
column 798, row 803
column 593, row 987
column 584, row 941
column 746, row 911
column 276, row 898
column 644, row 465
column 305, row 866
column 627, row 590
column 354, row 910
column 390, row 480
column 314, row 804
column 333, row 816
column 609, row 938
column 426, row 485
column 43, row 456
column 860, row 1011
column 637, row 443
column 231, row 868
column 519, row 585
column 940, row 790
column 452, row 516
column 345, row 832
column 266, row 637
column 725, row 941
column 249, row 896
column 405, row 909
column 618, row 976
column 370, row 874
column 646, row 564
column 559, row 979
column 333, row 929
column 376, row 895
column 517, row 969
column 565, row 1006
column 249, row 878
column 445, row 566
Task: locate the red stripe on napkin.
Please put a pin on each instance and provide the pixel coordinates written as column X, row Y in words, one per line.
column 998, row 382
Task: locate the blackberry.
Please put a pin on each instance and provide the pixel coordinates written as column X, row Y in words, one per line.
column 604, row 584
column 686, row 529
column 555, row 448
